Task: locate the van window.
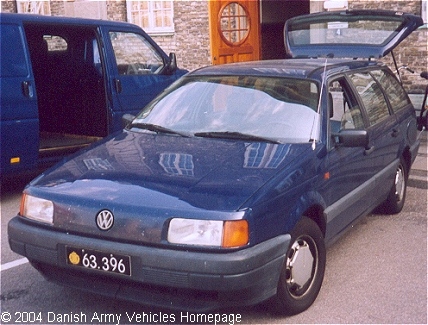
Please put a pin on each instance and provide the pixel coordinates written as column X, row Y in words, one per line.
column 394, row 91
column 55, row 43
column 134, row 55
column 13, row 62
column 372, row 97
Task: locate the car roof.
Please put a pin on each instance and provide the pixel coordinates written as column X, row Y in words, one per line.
column 293, row 68
column 41, row 19
column 348, row 34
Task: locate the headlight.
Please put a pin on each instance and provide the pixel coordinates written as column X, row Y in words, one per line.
column 36, row 208
column 232, row 233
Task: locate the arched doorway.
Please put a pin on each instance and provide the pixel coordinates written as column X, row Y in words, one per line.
column 251, row 29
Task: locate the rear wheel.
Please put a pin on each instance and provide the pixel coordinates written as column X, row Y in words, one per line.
column 303, row 270
column 397, row 195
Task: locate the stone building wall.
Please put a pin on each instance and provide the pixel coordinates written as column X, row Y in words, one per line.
column 116, row 10
column 57, row 8
column 192, row 37
column 190, row 41
column 8, row 6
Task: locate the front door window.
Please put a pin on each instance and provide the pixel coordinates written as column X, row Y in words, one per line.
column 134, row 54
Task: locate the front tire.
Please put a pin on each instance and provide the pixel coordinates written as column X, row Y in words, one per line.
column 303, row 270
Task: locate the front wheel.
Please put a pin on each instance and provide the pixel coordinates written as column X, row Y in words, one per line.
column 303, row 270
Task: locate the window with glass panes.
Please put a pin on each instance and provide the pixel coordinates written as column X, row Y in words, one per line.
column 152, row 16
column 34, row 7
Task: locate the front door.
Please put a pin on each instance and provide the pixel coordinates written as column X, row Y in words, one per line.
column 234, row 31
column 136, row 71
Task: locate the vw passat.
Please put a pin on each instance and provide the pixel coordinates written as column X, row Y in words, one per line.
column 226, row 188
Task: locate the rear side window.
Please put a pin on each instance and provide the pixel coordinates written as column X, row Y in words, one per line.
column 394, row 91
column 372, row 97
column 12, row 53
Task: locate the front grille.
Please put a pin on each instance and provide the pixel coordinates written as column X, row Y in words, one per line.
column 169, row 278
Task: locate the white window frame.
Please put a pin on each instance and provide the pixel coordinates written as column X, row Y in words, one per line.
column 34, row 7
column 133, row 6
column 424, row 12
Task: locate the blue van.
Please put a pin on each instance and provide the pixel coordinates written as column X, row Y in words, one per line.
column 67, row 82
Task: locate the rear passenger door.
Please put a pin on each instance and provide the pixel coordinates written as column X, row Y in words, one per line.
column 136, row 71
column 401, row 107
column 384, row 131
column 19, row 129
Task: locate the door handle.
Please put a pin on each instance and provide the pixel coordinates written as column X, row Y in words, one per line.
column 369, row 151
column 118, row 85
column 395, row 133
column 27, row 89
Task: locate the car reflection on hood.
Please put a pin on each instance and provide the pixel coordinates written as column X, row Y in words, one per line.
column 215, row 174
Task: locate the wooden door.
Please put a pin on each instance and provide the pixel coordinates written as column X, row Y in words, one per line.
column 234, row 31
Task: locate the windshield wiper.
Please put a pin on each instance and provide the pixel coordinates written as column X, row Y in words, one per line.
column 156, row 128
column 235, row 135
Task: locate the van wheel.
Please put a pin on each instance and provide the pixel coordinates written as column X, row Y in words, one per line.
column 303, row 270
column 397, row 195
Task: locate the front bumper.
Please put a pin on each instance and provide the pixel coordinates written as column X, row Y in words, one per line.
column 175, row 279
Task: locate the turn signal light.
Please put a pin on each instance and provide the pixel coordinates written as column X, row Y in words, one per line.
column 235, row 233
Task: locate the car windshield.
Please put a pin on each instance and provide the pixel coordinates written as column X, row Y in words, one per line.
column 246, row 107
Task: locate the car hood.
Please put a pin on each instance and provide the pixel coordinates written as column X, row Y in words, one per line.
column 140, row 169
column 145, row 180
column 348, row 34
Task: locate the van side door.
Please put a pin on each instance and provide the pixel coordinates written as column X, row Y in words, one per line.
column 19, row 129
column 135, row 72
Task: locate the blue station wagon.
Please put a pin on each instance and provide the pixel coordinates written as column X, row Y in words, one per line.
column 226, row 188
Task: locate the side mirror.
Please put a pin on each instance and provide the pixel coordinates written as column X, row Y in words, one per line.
column 127, row 119
column 352, row 138
column 171, row 66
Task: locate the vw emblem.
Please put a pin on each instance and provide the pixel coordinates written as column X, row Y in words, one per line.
column 105, row 220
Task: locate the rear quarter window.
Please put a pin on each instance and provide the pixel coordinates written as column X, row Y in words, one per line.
column 396, row 94
column 372, row 97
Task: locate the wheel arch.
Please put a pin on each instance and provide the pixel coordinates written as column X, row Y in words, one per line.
column 316, row 213
column 407, row 159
